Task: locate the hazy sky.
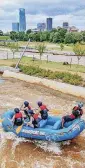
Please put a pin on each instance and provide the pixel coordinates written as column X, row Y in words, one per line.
column 72, row 11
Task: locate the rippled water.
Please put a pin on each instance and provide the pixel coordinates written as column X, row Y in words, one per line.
column 22, row 153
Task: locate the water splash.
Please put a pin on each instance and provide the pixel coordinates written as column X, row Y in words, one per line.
column 49, row 146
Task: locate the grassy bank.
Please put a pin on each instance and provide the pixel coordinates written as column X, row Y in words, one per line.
column 50, row 70
column 4, row 37
column 66, row 77
column 53, row 66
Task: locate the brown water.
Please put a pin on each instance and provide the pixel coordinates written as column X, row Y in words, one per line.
column 21, row 153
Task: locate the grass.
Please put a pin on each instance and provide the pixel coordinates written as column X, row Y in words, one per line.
column 49, row 46
column 53, row 66
column 4, row 37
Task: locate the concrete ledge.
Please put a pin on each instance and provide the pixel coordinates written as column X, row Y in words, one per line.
column 63, row 87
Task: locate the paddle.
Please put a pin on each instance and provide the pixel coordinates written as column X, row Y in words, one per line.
column 19, row 129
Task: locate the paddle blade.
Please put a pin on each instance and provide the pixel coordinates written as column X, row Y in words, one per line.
column 19, row 129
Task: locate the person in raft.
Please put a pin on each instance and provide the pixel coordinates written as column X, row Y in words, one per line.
column 77, row 112
column 32, row 119
column 42, row 110
column 26, row 107
column 18, row 117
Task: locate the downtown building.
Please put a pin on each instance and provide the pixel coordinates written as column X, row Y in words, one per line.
column 22, row 20
column 15, row 27
column 49, row 24
column 65, row 25
column 41, row 26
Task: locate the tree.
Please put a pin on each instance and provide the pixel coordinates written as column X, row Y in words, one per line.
column 41, row 48
column 13, row 47
column 61, row 46
column 13, row 35
column 1, row 33
column 28, row 31
column 79, row 50
column 69, row 38
column 51, row 36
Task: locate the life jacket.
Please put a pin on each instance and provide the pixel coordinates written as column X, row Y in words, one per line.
column 29, row 107
column 35, row 116
column 44, row 112
column 34, row 122
column 18, row 119
column 43, row 107
column 77, row 112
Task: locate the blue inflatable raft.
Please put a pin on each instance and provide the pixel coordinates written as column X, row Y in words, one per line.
column 50, row 131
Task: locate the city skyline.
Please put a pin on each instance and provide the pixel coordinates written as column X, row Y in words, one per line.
column 60, row 10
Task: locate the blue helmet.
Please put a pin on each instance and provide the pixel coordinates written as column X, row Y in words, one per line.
column 16, row 110
column 39, row 103
column 80, row 104
column 30, row 112
column 26, row 103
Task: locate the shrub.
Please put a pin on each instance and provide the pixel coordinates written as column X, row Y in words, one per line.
column 73, row 79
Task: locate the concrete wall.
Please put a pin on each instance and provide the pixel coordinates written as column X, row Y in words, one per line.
column 63, row 87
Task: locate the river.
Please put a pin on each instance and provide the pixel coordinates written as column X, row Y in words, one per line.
column 21, row 153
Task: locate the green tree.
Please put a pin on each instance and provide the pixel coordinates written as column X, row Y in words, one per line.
column 79, row 50
column 83, row 34
column 51, row 36
column 13, row 35
column 28, row 31
column 41, row 48
column 69, row 38
column 1, row 33
column 61, row 46
column 13, row 47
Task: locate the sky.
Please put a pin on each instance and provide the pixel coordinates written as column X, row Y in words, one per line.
column 72, row 11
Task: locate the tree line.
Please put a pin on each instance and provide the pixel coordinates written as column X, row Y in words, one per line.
column 56, row 36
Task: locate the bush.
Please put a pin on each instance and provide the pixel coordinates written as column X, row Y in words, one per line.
column 66, row 77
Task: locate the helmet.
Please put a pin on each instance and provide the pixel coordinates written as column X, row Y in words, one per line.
column 16, row 110
column 80, row 104
column 26, row 103
column 30, row 112
column 39, row 103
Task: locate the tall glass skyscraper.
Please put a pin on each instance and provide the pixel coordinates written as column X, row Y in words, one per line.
column 22, row 20
column 15, row 27
column 49, row 24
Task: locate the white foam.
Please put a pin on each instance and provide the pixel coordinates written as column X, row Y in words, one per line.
column 49, row 146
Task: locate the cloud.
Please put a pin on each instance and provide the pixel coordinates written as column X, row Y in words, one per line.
column 72, row 11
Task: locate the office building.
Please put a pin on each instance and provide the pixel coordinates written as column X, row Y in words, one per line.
column 49, row 24
column 22, row 20
column 41, row 26
column 73, row 29
column 65, row 25
column 15, row 27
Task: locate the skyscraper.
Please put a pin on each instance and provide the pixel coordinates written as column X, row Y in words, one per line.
column 15, row 27
column 65, row 25
column 22, row 20
column 41, row 26
column 49, row 24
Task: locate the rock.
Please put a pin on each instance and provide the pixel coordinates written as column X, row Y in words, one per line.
column 4, row 68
